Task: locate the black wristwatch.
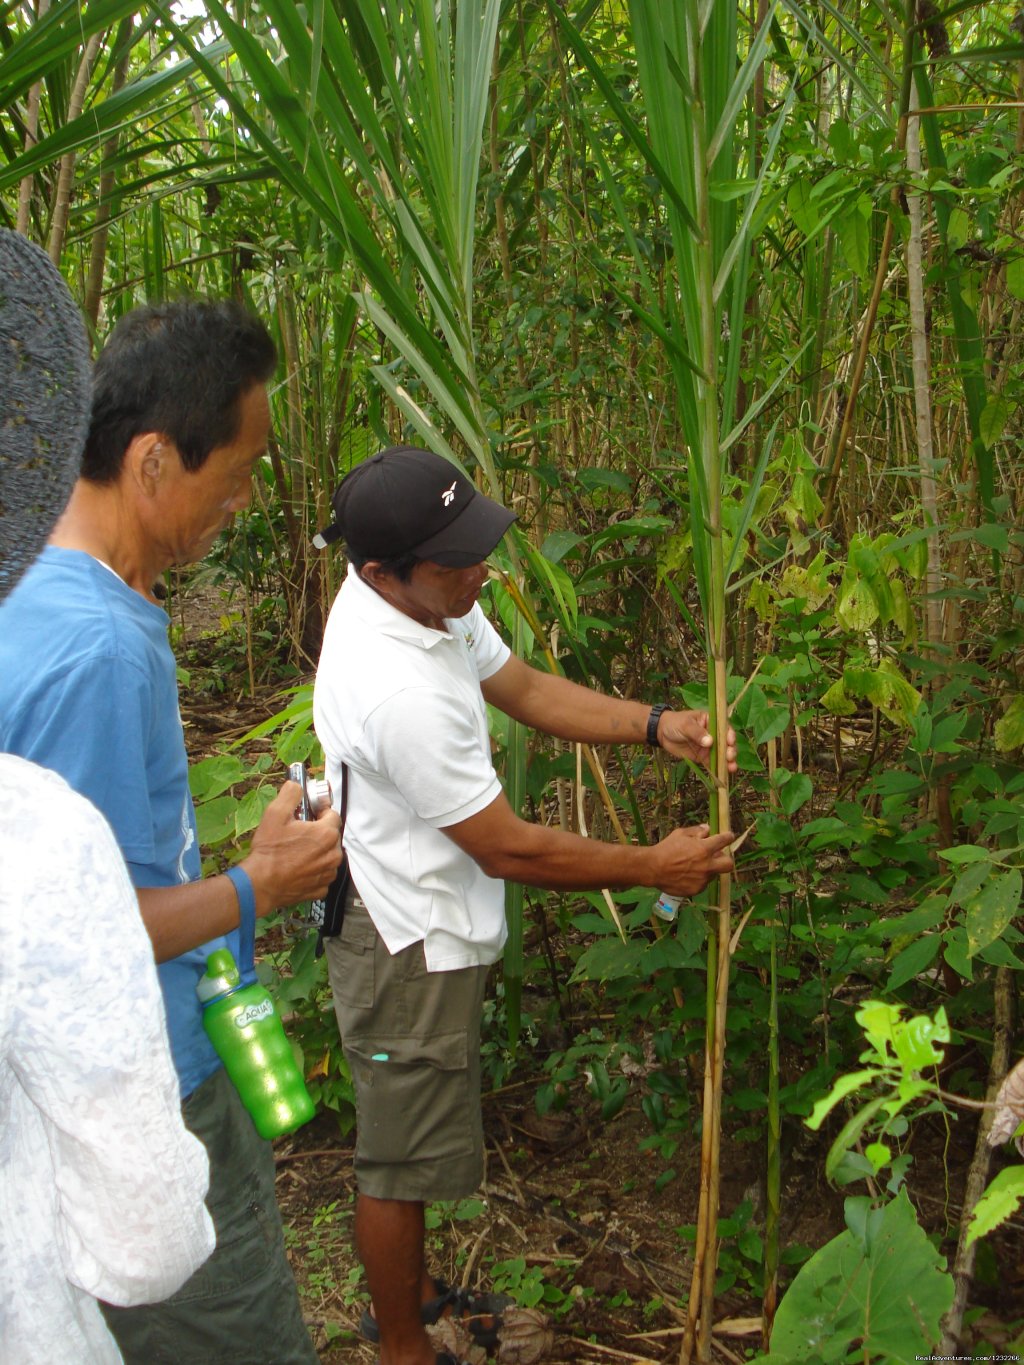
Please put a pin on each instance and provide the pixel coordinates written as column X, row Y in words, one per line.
column 652, row 723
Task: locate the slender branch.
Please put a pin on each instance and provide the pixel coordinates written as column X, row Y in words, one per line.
column 963, row 1264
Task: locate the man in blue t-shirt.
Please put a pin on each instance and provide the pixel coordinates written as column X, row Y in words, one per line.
column 88, row 688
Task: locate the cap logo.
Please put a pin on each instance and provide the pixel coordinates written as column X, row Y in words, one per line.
column 448, row 496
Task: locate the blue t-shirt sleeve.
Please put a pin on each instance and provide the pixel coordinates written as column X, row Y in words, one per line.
column 90, row 726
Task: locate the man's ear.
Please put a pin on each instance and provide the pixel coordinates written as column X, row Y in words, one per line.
column 372, row 573
column 146, row 460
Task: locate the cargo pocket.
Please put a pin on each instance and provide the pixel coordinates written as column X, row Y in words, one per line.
column 350, row 959
column 415, row 1102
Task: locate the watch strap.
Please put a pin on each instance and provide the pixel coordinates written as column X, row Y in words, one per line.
column 652, row 723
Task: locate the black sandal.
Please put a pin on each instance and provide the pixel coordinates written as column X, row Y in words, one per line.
column 431, row 1312
column 481, row 1314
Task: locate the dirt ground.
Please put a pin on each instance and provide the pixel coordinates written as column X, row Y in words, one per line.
column 569, row 1220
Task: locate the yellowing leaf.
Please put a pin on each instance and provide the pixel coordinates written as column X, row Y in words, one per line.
column 992, row 909
column 1009, row 732
column 836, row 702
column 857, row 608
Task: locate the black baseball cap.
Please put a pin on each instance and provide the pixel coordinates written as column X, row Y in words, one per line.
column 410, row 501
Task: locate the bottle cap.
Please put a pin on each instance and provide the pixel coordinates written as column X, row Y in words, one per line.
column 221, row 976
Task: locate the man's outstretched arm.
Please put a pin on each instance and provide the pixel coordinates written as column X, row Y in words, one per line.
column 681, row 864
column 556, row 706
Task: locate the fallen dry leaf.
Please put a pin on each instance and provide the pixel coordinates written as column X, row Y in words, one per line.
column 1009, row 1109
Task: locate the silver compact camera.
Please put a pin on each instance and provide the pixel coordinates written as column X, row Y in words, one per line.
column 316, row 794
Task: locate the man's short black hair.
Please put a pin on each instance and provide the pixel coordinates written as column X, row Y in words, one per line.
column 179, row 369
column 400, row 567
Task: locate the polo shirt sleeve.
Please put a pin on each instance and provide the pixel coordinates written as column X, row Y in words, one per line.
column 91, row 727
column 490, row 652
column 428, row 746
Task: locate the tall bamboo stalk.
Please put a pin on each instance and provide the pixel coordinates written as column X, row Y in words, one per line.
column 922, row 385
column 699, row 1311
column 31, row 137
column 62, row 197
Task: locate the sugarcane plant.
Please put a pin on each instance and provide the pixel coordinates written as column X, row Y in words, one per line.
column 695, row 76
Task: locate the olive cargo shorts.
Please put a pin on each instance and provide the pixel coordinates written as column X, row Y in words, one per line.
column 241, row 1307
column 412, row 1041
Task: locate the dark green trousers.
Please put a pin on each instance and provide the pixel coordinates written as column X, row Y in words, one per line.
column 241, row 1307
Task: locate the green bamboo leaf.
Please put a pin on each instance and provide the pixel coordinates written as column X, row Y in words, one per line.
column 625, row 119
column 52, row 38
column 739, row 89
column 440, row 379
column 559, row 587
column 1015, row 277
column 740, row 241
column 116, row 114
column 866, row 89
column 431, row 434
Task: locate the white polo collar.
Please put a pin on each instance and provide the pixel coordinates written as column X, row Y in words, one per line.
column 381, row 616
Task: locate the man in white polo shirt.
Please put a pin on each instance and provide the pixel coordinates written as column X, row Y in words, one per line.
column 409, row 662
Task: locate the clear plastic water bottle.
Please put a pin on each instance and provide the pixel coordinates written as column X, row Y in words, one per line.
column 244, row 1027
column 666, row 907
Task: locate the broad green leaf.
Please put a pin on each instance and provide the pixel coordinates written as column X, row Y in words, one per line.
column 803, row 208
column 1015, row 277
column 215, row 820
column 857, row 608
column 855, row 237
column 882, row 1290
column 916, row 958
column 836, row 701
column 998, row 1203
column 991, row 534
column 878, row 1154
column 799, row 582
column 251, row 807
column 993, row 419
column 959, row 228
column 794, row 792
column 211, row 776
column 970, row 882
column 902, row 610
column 1009, row 729
column 914, row 1040
column 885, row 688
column 993, row 909
column 964, row 853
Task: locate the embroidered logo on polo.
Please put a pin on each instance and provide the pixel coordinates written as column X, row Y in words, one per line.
column 448, row 496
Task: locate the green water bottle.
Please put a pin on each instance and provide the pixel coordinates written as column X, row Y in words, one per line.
column 250, row 1040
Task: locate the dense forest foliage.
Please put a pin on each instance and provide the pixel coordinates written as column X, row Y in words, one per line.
column 725, row 300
